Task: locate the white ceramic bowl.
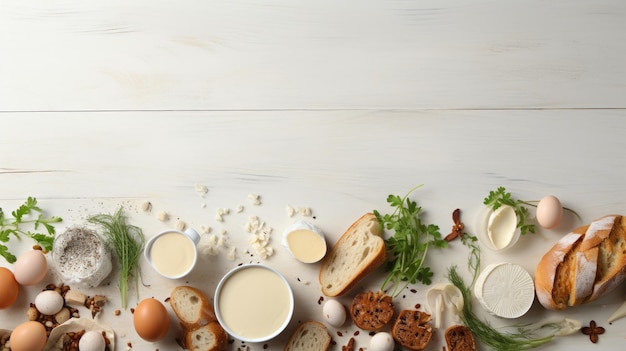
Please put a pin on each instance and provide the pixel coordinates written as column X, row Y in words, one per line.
column 254, row 303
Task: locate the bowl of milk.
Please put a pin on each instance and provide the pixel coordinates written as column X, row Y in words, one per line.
column 253, row 303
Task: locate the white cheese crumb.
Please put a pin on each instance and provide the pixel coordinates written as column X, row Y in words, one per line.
column 239, row 208
column 163, row 216
column 259, row 237
column 304, row 211
column 203, row 205
column 290, row 211
column 232, row 254
column 146, row 206
column 205, row 229
column 180, row 225
column 202, row 189
column 219, row 218
column 255, row 199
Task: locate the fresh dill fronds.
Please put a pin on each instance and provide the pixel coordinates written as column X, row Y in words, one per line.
column 127, row 241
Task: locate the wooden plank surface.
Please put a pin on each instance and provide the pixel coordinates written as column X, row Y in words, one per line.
column 113, row 55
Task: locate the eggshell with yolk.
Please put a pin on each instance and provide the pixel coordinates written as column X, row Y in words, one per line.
column 151, row 320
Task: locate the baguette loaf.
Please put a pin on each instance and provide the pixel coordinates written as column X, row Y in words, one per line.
column 201, row 330
column 309, row 336
column 359, row 251
column 584, row 265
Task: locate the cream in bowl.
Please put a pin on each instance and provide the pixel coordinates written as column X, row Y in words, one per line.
column 173, row 253
column 498, row 229
column 254, row 303
column 305, row 242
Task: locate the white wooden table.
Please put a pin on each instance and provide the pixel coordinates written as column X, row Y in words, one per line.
column 326, row 105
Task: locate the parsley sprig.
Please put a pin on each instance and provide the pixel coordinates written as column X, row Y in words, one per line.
column 28, row 213
column 409, row 244
column 502, row 197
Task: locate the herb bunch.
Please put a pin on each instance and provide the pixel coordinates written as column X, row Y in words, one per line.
column 127, row 241
column 28, row 213
column 409, row 244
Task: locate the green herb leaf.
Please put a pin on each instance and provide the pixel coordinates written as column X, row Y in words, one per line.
column 15, row 226
column 409, row 244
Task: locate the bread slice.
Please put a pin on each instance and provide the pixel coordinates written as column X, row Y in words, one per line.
column 309, row 336
column 584, row 265
column 201, row 330
column 210, row 337
column 412, row 329
column 460, row 338
column 358, row 252
column 191, row 306
column 371, row 310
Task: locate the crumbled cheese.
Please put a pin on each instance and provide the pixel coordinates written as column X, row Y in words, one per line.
column 163, row 216
column 146, row 206
column 205, row 229
column 304, row 211
column 203, row 205
column 202, row 189
column 290, row 211
column 239, row 208
column 180, row 225
column 255, row 199
column 259, row 237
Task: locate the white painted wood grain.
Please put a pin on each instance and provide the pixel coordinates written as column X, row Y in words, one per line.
column 339, row 164
column 116, row 55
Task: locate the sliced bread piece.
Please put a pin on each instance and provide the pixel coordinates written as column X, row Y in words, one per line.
column 210, row 337
column 460, row 338
column 309, row 336
column 201, row 330
column 412, row 330
column 358, row 252
column 371, row 310
column 191, row 306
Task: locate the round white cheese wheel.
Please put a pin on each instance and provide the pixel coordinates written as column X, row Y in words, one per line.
column 505, row 290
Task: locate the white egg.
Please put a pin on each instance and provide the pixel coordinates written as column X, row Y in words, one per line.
column 549, row 212
column 49, row 302
column 381, row 342
column 334, row 313
column 92, row 341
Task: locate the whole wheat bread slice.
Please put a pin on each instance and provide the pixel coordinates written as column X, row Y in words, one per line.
column 309, row 336
column 359, row 251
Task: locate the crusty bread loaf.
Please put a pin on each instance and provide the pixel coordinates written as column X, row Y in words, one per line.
column 309, row 336
column 584, row 265
column 460, row 338
column 201, row 330
column 359, row 251
column 412, row 329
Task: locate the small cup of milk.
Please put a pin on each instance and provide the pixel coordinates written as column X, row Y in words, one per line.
column 172, row 253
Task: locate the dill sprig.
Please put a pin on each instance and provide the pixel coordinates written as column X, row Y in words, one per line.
column 127, row 241
column 524, row 339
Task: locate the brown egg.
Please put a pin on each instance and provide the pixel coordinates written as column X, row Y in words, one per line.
column 151, row 320
column 28, row 336
column 8, row 288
